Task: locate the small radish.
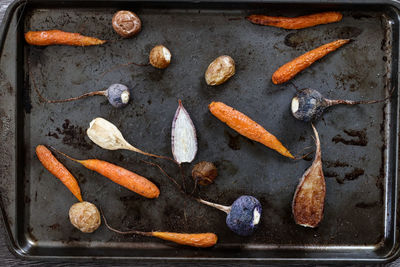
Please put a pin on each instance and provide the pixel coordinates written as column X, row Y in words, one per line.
column 309, row 104
column 117, row 94
column 243, row 215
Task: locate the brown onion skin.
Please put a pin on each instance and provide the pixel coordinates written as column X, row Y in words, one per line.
column 204, row 172
column 126, row 23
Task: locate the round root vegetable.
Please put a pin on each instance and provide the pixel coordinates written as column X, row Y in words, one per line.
column 204, row 172
column 220, row 70
column 121, row 176
column 117, row 94
column 126, row 23
column 85, row 216
column 247, row 127
column 57, row 37
column 309, row 104
column 243, row 216
column 106, row 135
column 58, row 170
column 200, row 240
column 160, row 57
column 297, row 22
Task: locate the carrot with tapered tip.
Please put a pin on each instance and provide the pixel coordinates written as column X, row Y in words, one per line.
column 58, row 170
column 200, row 240
column 287, row 71
column 121, row 176
column 247, row 127
column 296, row 22
column 57, row 37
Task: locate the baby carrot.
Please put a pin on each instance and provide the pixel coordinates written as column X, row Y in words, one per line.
column 247, row 127
column 57, row 37
column 297, row 22
column 290, row 69
column 203, row 240
column 58, row 170
column 121, row 176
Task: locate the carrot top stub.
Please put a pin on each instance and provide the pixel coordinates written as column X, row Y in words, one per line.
column 58, row 170
column 57, row 37
column 247, row 127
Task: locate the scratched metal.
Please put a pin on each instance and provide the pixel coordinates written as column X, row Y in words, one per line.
column 358, row 142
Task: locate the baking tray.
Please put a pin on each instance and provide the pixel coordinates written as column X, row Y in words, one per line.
column 359, row 143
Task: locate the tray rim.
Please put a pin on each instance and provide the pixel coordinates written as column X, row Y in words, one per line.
column 394, row 251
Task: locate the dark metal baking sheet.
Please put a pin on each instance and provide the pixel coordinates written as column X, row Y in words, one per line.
column 359, row 143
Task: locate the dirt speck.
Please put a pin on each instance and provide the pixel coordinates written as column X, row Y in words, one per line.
column 234, row 140
column 73, row 136
column 54, row 227
column 361, row 139
column 226, row 167
column 335, row 164
column 366, row 205
column 330, row 174
column 55, row 135
column 348, row 32
column 354, row 174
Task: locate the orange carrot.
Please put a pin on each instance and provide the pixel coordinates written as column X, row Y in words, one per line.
column 297, row 22
column 121, row 176
column 203, row 240
column 57, row 37
column 58, row 170
column 290, row 69
column 247, row 127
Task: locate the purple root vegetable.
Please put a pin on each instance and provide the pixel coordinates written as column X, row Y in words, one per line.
column 243, row 216
column 309, row 104
column 118, row 95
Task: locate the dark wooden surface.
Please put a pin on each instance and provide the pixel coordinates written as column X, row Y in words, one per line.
column 8, row 259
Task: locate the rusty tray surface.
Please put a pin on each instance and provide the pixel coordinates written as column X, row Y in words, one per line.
column 359, row 143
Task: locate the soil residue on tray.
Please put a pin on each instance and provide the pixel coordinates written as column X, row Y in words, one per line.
column 354, row 174
column 366, row 205
column 54, row 227
column 226, row 167
column 72, row 135
column 335, row 164
column 361, row 139
column 234, row 141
